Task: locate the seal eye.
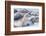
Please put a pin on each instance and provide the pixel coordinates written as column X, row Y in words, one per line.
column 17, row 17
column 27, row 24
column 15, row 11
